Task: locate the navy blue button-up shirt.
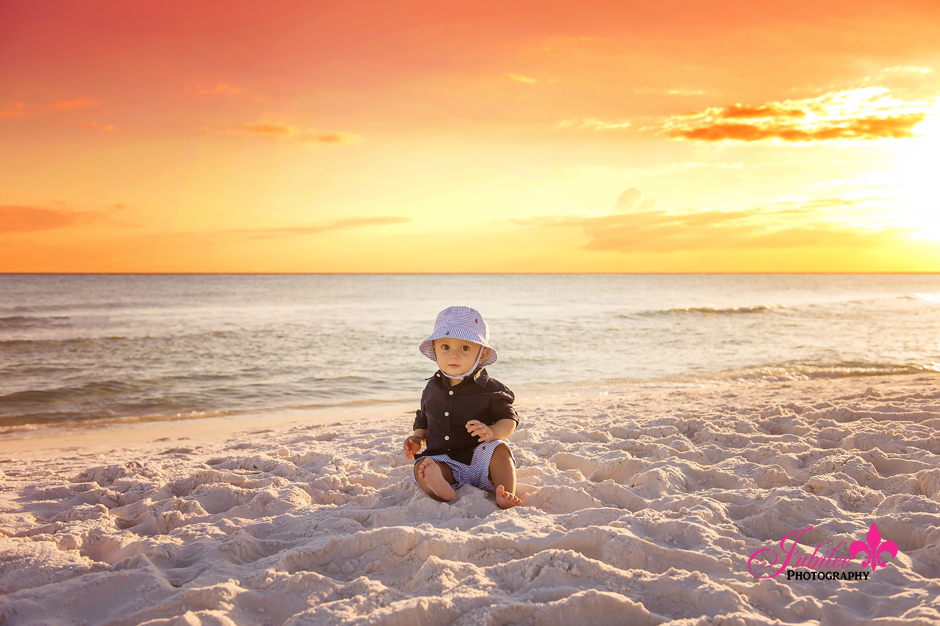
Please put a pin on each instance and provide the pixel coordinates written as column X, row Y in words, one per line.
column 445, row 411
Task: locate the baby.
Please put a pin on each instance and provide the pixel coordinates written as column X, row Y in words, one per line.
column 465, row 415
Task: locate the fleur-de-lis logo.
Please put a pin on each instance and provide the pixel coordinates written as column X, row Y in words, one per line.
column 874, row 548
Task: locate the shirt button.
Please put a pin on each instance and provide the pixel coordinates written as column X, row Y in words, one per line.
column 446, row 438
column 450, row 393
column 446, row 414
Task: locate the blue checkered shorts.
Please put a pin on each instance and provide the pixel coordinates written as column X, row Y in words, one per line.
column 477, row 473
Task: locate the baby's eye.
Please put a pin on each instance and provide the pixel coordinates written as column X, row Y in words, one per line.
column 444, row 346
column 465, row 348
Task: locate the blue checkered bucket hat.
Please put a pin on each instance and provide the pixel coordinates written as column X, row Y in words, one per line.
column 460, row 322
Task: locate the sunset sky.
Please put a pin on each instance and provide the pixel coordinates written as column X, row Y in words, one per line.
column 457, row 136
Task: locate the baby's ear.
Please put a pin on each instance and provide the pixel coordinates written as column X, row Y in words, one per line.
column 486, row 353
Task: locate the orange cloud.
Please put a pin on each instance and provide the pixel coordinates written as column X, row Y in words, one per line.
column 283, row 131
column 94, row 126
column 593, row 124
column 767, row 110
column 662, row 232
column 346, row 224
column 270, row 130
column 71, row 104
column 233, row 238
column 14, row 109
column 24, row 219
column 638, row 227
column 207, row 88
column 522, row 79
column 669, row 92
column 331, row 137
column 907, row 69
column 854, row 115
column 870, row 128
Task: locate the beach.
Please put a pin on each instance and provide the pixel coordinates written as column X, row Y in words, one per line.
column 641, row 507
column 253, row 256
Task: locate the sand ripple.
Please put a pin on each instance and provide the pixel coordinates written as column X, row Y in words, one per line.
column 642, row 509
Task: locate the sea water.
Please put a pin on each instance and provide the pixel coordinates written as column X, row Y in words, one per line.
column 92, row 349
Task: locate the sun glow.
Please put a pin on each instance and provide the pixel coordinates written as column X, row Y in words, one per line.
column 308, row 139
column 916, row 180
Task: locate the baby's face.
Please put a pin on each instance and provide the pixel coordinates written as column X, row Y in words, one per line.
column 456, row 356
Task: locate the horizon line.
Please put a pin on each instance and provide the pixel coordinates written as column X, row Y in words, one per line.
column 743, row 273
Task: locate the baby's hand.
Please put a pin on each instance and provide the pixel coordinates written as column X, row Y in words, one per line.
column 412, row 446
column 481, row 430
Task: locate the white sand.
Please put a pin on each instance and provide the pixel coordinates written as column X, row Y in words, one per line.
column 645, row 508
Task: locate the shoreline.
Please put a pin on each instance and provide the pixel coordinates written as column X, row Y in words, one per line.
column 644, row 506
column 533, row 394
column 146, row 435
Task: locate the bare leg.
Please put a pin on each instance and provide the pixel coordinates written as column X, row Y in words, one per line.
column 503, row 477
column 435, row 478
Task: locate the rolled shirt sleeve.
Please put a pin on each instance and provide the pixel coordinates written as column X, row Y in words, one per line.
column 501, row 408
column 421, row 420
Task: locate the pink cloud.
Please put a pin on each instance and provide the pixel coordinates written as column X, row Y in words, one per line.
column 207, row 88
column 286, row 132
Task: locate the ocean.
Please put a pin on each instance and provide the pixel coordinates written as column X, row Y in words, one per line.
column 91, row 350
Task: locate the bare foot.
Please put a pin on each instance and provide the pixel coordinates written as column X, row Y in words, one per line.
column 430, row 473
column 506, row 499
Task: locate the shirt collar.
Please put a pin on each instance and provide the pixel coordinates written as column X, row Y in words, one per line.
column 480, row 378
